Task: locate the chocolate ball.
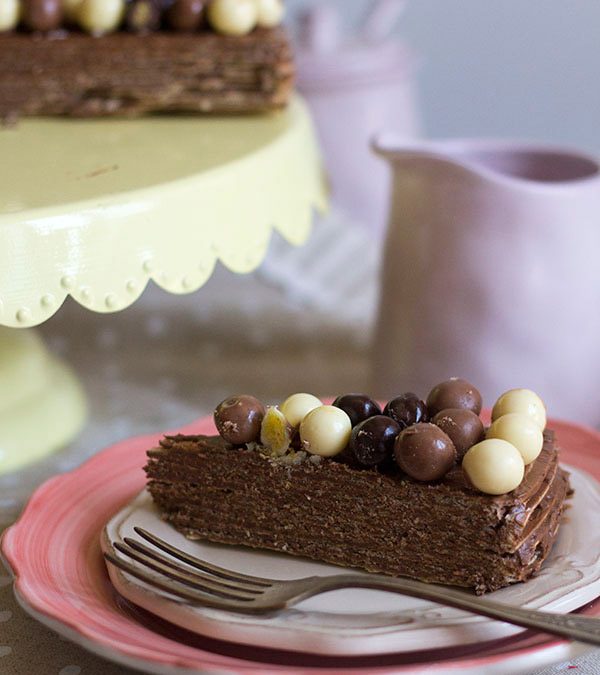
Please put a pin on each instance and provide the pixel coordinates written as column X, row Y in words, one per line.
column 238, row 419
column 232, row 17
column 372, row 441
column 186, row 15
column 358, row 407
column 99, row 17
column 143, row 16
column 42, row 15
column 462, row 426
column 424, row 452
column 10, row 11
column 454, row 393
column 406, row 409
column 325, row 431
column 494, row 466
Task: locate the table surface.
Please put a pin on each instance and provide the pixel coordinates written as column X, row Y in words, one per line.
column 298, row 352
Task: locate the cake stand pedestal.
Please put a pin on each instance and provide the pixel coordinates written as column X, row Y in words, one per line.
column 95, row 209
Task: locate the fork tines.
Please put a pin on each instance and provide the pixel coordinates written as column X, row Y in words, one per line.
column 205, row 579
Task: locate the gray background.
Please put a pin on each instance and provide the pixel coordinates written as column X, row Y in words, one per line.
column 509, row 68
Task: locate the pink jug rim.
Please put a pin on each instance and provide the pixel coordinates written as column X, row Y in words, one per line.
column 527, row 163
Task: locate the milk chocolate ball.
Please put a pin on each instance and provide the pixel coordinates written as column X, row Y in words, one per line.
column 424, row 452
column 186, row 15
column 238, row 419
column 358, row 407
column 462, row 426
column 454, row 393
column 42, row 15
column 406, row 409
column 372, row 441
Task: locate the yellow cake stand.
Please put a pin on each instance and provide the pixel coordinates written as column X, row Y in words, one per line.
column 95, row 209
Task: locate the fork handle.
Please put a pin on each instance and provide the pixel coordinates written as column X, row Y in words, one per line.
column 573, row 626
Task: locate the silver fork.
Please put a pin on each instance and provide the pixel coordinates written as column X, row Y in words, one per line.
column 205, row 584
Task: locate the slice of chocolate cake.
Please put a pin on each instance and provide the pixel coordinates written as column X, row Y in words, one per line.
column 377, row 518
column 323, row 509
column 127, row 74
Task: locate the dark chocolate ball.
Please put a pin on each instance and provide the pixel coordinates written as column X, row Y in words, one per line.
column 238, row 419
column 42, row 15
column 143, row 16
column 462, row 426
column 186, row 15
column 454, row 393
column 424, row 452
column 358, row 407
column 406, row 409
column 372, row 441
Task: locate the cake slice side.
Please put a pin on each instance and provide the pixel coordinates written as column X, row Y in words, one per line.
column 444, row 532
column 130, row 75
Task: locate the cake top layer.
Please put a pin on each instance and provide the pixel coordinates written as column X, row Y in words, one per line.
column 531, row 489
column 440, row 439
column 59, row 18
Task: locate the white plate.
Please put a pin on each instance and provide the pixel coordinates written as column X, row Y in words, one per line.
column 357, row 621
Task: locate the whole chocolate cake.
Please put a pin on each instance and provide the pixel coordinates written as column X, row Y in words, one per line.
column 387, row 493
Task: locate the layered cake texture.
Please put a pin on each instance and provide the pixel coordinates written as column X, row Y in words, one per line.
column 389, row 493
column 111, row 57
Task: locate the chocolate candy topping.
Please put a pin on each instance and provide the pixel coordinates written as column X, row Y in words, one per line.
column 238, row 419
column 325, row 431
column 462, row 426
column 9, row 15
column 143, row 16
column 406, row 409
column 454, row 393
column 42, row 15
column 358, row 407
column 186, row 15
column 372, row 441
column 424, row 452
column 494, row 466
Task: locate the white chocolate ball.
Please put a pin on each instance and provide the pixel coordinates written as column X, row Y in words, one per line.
column 520, row 430
column 325, row 431
column 522, row 401
column 270, row 13
column 233, row 17
column 297, row 406
column 71, row 9
column 100, row 16
column 10, row 12
column 494, row 466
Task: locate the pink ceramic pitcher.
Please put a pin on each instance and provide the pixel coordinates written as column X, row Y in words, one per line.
column 492, row 272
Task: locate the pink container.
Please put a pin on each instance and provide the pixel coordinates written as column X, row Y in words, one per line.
column 354, row 89
column 491, row 272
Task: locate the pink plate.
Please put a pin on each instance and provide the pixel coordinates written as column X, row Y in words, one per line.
column 60, row 578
